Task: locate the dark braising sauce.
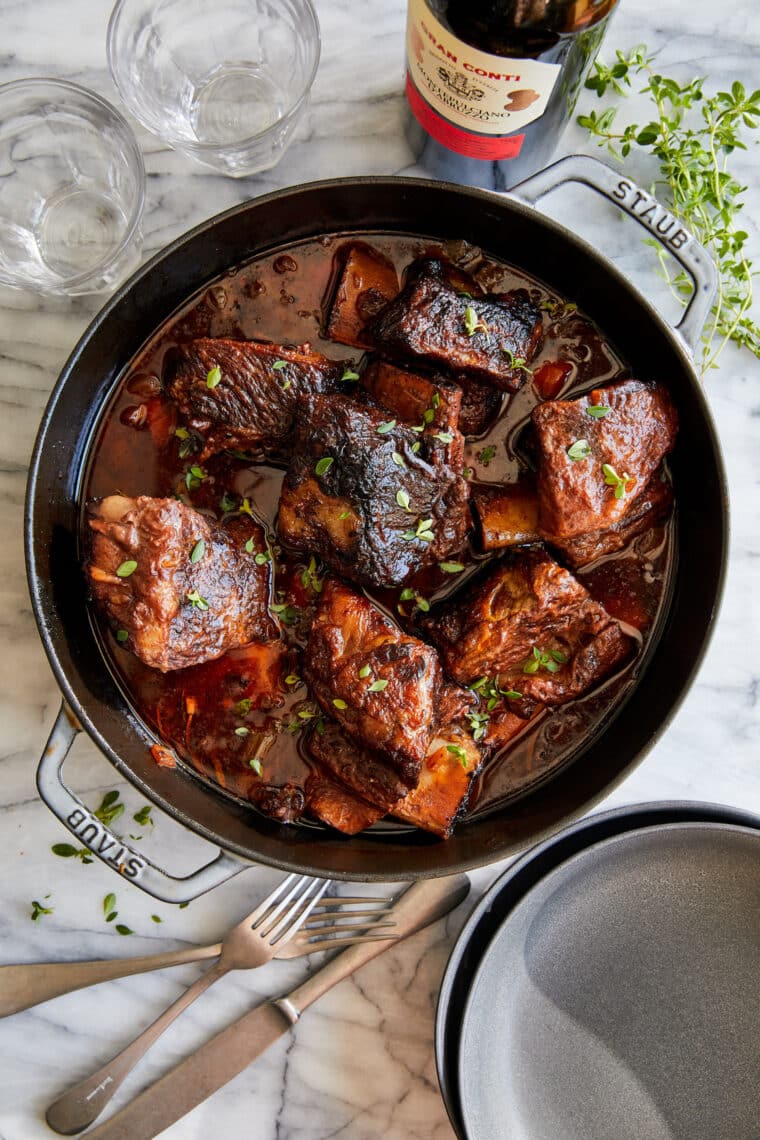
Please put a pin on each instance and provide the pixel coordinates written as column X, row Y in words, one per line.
column 279, row 298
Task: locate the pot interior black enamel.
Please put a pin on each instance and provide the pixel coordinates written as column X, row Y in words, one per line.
column 508, row 230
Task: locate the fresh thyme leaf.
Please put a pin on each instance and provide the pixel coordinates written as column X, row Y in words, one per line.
column 344, row 515
column 598, row 411
column 581, row 449
column 249, row 546
column 255, row 763
column 109, row 902
column 227, row 502
column 126, row 568
column 692, row 135
column 403, row 500
column 619, row 482
column 38, row 910
column 550, row 661
column 155, row 918
column 364, row 671
column 473, row 323
column 516, row 363
column 324, row 464
column 459, row 752
column 349, row 375
column 339, row 703
column 213, row 376
column 122, row 929
column 416, row 447
column 279, row 365
column 292, row 679
column 406, row 594
column 110, row 809
column 444, row 436
column 242, row 731
column 398, row 459
column 198, row 551
column 451, row 567
column 195, row 477
column 143, row 816
column 486, row 454
column 384, row 428
column 243, row 707
column 245, row 507
column 182, row 433
column 122, row 635
column 68, row 851
column 377, row 686
column 196, row 600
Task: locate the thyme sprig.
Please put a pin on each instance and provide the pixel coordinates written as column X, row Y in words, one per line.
column 692, row 135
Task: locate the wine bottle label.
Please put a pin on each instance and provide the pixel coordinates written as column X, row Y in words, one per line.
column 466, row 98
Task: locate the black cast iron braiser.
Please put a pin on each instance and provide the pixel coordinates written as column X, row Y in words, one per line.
column 509, row 229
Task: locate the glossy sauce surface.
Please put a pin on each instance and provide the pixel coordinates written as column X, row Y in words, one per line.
column 280, row 299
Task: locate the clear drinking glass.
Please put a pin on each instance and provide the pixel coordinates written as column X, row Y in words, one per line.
column 71, row 189
column 225, row 83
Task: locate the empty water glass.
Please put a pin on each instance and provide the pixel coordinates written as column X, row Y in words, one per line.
column 224, row 83
column 71, row 189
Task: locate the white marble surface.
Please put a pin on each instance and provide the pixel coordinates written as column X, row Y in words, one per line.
column 361, row 1064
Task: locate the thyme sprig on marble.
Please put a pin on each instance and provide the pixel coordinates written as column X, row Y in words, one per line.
column 692, row 135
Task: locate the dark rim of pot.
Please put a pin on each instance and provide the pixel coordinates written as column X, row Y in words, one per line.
column 510, row 231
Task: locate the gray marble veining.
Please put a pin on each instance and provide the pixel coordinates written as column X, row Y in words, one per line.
column 361, row 1064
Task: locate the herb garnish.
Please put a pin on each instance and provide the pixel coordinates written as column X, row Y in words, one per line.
column 424, row 531
column 459, row 752
column 339, row 703
column 286, row 613
column 551, row 661
column 249, row 546
column 68, row 851
column 213, row 376
column 516, row 363
column 377, row 686
column 364, row 671
column 227, row 502
column 451, row 567
column 38, row 909
column 384, row 428
column 292, row 679
column 195, row 477
column 255, row 763
column 196, row 600
column 245, row 508
column 310, row 580
column 122, row 635
column 110, row 809
column 403, row 500
column 349, row 375
column 692, row 136
column 409, row 595
column 262, row 556
column 242, row 731
column 581, row 449
column 478, row 724
column 619, row 482
column 198, row 551
column 126, row 568
column 324, row 464
column 109, row 908
column 398, row 459
column 243, row 707
column 598, row 411
column 143, row 816
column 122, row 929
column 279, row 365
column 472, row 322
column 486, row 454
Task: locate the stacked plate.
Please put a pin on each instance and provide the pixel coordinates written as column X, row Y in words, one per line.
column 607, row 987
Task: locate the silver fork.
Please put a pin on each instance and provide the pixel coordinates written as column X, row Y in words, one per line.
column 268, row 931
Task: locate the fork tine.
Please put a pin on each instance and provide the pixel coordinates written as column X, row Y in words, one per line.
column 294, row 918
column 309, row 932
column 344, row 900
column 270, row 913
column 367, row 915
column 266, row 904
column 308, row 947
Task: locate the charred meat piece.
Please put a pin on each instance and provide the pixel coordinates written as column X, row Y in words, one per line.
column 367, row 495
column 429, row 403
column 506, row 514
column 532, row 626
column 481, row 404
column 367, row 281
column 183, row 588
column 646, row 510
column 365, row 775
column 379, row 684
column 492, row 340
column 596, row 454
column 244, row 394
column 443, row 789
column 435, row 803
column 337, row 806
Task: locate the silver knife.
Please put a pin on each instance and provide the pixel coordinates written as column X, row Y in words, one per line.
column 232, row 1050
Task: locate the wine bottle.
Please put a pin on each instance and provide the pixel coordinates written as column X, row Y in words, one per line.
column 491, row 84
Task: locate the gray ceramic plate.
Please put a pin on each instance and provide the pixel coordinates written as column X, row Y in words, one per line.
column 621, row 997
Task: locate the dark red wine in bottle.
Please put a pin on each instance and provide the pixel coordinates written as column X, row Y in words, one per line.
column 491, row 84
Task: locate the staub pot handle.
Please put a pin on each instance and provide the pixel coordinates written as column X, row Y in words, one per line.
column 662, row 225
column 111, row 849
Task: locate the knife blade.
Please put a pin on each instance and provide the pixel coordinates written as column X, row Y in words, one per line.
column 229, row 1052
